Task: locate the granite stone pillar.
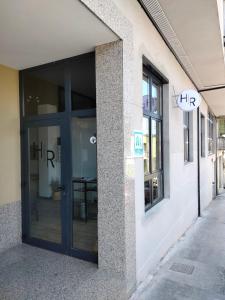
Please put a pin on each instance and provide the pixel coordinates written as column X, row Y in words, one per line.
column 116, row 216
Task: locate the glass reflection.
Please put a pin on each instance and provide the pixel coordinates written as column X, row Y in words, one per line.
column 155, row 145
column 145, row 93
column 44, row 183
column 84, row 184
column 146, row 144
column 83, row 86
column 155, row 189
column 147, row 192
column 44, row 91
column 155, row 101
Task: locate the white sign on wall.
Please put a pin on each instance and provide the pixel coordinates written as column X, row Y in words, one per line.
column 138, row 144
column 189, row 100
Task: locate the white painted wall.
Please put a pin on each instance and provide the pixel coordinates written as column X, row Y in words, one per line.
column 158, row 229
column 206, row 166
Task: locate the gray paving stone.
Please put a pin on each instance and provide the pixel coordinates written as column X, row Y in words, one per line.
column 29, row 273
column 202, row 247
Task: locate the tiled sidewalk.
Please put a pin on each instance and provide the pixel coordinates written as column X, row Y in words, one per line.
column 195, row 268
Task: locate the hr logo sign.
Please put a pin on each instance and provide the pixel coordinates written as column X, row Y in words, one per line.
column 40, row 152
column 189, row 100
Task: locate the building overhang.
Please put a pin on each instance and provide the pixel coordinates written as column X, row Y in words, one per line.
column 216, row 100
column 37, row 32
column 194, row 32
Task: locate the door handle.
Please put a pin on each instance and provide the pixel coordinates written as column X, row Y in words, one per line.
column 61, row 188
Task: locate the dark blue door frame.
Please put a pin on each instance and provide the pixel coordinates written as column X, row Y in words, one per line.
column 63, row 120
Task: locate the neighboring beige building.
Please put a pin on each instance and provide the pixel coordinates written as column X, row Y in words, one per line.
column 80, row 81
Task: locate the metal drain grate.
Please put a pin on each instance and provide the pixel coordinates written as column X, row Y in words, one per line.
column 182, row 268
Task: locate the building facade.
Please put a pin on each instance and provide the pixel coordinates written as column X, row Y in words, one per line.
column 76, row 90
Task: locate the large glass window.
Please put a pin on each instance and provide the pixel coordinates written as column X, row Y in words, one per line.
column 152, row 129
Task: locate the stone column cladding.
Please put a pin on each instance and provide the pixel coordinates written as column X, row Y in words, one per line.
column 10, row 225
column 110, row 137
column 116, row 220
column 117, row 117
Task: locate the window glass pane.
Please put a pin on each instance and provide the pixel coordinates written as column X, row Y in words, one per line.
column 186, row 119
column 44, row 91
column 186, row 136
column 186, row 144
column 44, row 183
column 145, row 93
column 156, row 188
column 148, row 192
column 146, row 144
column 210, row 133
column 156, row 98
column 156, row 145
column 84, row 182
column 83, row 87
column 202, row 136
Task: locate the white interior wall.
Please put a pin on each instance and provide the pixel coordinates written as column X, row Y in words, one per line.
column 159, row 228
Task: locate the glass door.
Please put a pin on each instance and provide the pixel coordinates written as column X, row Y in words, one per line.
column 59, row 178
column 45, row 187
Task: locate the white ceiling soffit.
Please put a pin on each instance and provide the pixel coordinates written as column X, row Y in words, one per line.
column 36, row 32
column 216, row 101
column 193, row 30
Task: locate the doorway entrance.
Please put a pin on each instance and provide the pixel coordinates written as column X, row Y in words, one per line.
column 59, row 190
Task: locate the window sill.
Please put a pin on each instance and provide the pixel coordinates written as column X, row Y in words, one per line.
column 188, row 163
column 147, row 208
column 210, row 154
column 154, row 209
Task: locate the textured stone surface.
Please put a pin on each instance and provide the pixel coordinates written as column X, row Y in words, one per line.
column 116, row 220
column 111, row 204
column 36, row 274
column 116, row 119
column 10, row 225
column 203, row 247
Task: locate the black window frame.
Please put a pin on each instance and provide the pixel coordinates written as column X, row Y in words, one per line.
column 186, row 130
column 202, row 135
column 158, row 117
column 210, row 136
